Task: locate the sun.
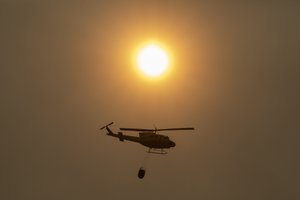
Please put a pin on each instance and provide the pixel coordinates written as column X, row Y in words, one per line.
column 152, row 60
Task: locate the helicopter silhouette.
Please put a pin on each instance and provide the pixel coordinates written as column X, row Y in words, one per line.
column 147, row 137
column 157, row 143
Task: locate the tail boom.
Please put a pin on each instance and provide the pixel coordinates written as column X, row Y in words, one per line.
column 120, row 134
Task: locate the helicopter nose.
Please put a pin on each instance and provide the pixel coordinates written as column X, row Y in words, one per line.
column 172, row 144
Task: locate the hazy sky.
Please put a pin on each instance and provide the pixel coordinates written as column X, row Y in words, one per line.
column 67, row 69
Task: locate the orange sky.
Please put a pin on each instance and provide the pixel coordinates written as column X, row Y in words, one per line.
column 67, row 70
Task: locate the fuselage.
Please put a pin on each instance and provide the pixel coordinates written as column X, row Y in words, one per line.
column 157, row 141
column 147, row 138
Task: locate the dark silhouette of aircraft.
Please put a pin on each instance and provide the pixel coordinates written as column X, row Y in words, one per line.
column 147, row 137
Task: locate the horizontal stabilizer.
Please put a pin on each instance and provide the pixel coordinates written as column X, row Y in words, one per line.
column 120, row 135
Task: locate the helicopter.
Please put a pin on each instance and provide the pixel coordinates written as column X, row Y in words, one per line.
column 147, row 137
column 157, row 143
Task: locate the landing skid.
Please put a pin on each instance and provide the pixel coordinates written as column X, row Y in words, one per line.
column 157, row 151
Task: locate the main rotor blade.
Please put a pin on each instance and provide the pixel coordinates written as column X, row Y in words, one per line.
column 175, row 129
column 161, row 129
column 135, row 129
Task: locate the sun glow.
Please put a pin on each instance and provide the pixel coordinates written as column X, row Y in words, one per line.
column 152, row 60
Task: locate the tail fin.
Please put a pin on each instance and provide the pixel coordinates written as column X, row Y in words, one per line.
column 106, row 126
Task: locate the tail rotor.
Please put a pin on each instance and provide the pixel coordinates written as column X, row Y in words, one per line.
column 106, row 126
